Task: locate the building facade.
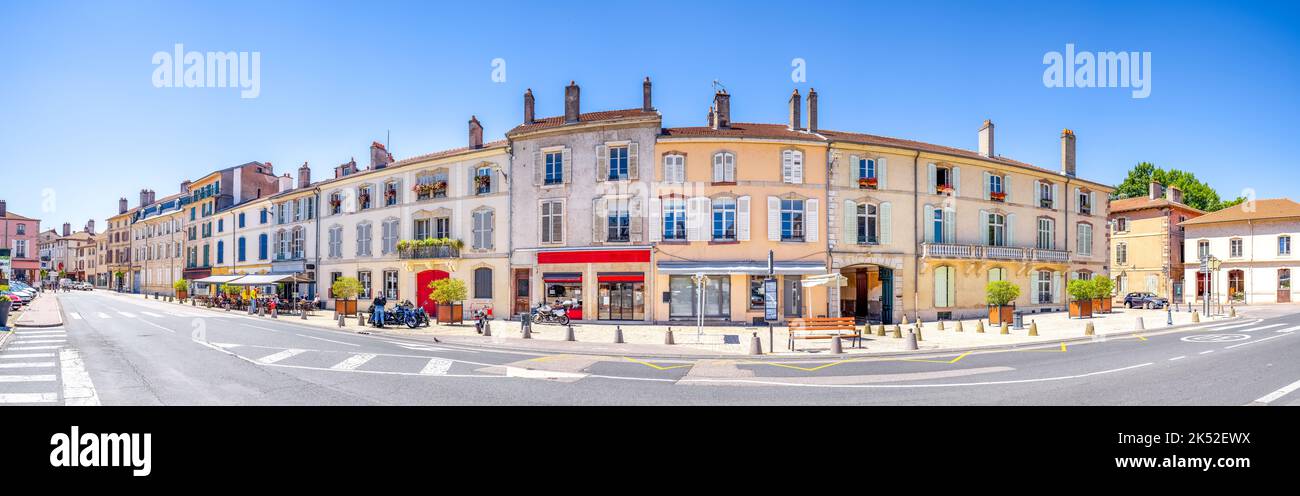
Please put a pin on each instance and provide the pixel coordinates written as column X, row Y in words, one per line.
column 118, row 254
column 21, row 236
column 1253, row 241
column 1147, row 240
column 157, row 242
column 206, row 226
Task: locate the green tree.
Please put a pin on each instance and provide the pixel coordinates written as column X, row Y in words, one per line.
column 447, row 290
column 1001, row 293
column 346, row 288
column 1196, row 193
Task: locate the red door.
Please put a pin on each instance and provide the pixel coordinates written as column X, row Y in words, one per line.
column 422, row 290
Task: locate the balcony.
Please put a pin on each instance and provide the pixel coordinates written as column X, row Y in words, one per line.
column 427, row 252
column 986, row 252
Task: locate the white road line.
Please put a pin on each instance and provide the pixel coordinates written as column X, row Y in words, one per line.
column 436, row 366
column 1206, row 352
column 25, row 365
column 329, row 340
column 1255, row 341
column 27, row 333
column 1275, row 395
column 158, row 326
column 1179, row 357
column 29, row 398
column 12, row 356
column 33, row 348
column 128, row 315
column 38, row 341
column 27, row 378
column 151, row 314
column 905, row 386
column 260, row 327
column 1234, row 326
column 78, row 390
column 275, row 357
column 354, row 361
column 75, row 315
column 1270, row 326
column 1289, row 329
column 102, row 315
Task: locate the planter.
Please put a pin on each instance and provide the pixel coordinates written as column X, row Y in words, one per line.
column 1081, row 308
column 1001, row 313
column 182, row 294
column 867, row 183
column 1101, row 305
column 995, row 196
column 451, row 313
column 5, row 303
column 345, row 307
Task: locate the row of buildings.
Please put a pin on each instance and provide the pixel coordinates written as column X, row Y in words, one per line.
column 634, row 221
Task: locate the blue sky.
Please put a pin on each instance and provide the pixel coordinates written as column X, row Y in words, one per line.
column 78, row 112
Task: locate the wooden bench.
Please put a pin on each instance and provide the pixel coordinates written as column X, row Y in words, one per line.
column 824, row 328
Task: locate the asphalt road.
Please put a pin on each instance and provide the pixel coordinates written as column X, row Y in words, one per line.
column 126, row 350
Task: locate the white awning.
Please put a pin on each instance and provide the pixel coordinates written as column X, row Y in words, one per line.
column 262, row 279
column 824, row 280
column 218, row 279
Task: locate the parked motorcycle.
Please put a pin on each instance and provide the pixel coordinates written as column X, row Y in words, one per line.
column 547, row 314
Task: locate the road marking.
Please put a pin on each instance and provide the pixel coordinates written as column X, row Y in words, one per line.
column 34, row 348
column 102, row 315
column 354, row 361
column 1053, row 350
column 26, row 355
column 541, row 374
column 151, row 314
column 1233, row 326
column 1139, row 336
column 954, row 360
column 260, row 327
column 329, row 340
column 436, row 366
column 126, row 314
column 656, row 366
column 78, row 390
column 26, row 333
column 1215, row 338
column 1275, row 395
column 1255, row 341
column 275, row 357
column 26, row 378
column 29, row 398
column 20, row 340
column 75, row 315
column 1289, row 329
column 1206, row 352
column 158, row 326
column 1179, row 357
column 905, row 386
column 26, row 365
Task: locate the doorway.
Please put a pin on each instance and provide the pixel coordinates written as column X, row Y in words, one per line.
column 1284, row 285
column 522, row 291
column 422, row 290
column 793, row 296
column 886, row 295
column 621, row 301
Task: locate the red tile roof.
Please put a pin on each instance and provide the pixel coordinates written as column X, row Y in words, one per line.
column 1274, row 208
column 602, row 116
column 1145, row 202
column 871, row 139
column 14, row 216
column 743, row 130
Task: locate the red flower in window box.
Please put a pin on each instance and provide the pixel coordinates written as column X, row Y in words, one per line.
column 944, row 189
column 867, row 183
column 998, row 196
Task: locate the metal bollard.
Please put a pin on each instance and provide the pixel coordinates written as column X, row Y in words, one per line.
column 911, row 341
column 342, row 323
column 918, row 330
column 527, row 332
column 755, row 345
column 668, row 336
column 1169, row 316
column 618, row 334
column 568, row 333
column 836, row 346
column 1140, row 326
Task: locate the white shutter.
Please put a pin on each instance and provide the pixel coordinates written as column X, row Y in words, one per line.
column 949, row 225
column 633, row 162
column 694, row 219
column 680, row 169
column 718, row 173
column 987, row 190
column 956, row 181
column 931, row 170
column 567, row 158
column 927, row 224
column 1006, row 187
column 1038, row 193
column 882, row 173
column 1075, row 199
column 490, row 230
column 706, row 219
column 496, row 181
column 539, row 168
column 850, row 217
column 773, row 218
column 786, row 167
column 1092, row 201
column 810, row 221
column 602, row 163
column 1011, row 229
column 984, row 228
column 1056, row 287
column 599, row 220
column 729, row 168
column 886, row 223
column 855, row 170
column 1056, row 196
column 654, row 216
column 742, row 218
column 636, row 219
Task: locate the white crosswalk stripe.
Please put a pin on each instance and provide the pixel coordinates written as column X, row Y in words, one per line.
column 28, row 333
column 102, row 315
column 14, row 356
column 1289, row 329
column 354, row 361
column 38, row 341
column 151, row 314
column 27, row 378
column 126, row 314
column 29, row 398
column 33, row 348
column 436, row 366
column 26, row 365
column 74, row 315
column 276, row 357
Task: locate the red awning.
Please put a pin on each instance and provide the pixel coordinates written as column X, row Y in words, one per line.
column 619, row 277
column 562, row 277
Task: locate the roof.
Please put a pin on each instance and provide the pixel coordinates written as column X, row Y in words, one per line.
column 13, row 216
column 743, row 130
column 584, row 118
column 1145, row 202
column 1273, row 208
column 412, row 160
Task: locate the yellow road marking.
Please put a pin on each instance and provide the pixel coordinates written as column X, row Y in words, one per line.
column 655, row 366
column 1139, row 336
column 1062, row 350
column 545, row 358
column 805, row 369
column 959, row 357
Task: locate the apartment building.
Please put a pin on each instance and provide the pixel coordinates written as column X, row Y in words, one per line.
column 1253, row 242
column 21, row 236
column 1147, row 241
column 118, row 254
column 157, row 239
column 274, row 238
column 205, row 226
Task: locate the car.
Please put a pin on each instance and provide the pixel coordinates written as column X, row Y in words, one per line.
column 1145, row 300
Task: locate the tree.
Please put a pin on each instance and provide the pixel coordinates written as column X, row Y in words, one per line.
column 1196, row 194
column 1001, row 293
column 346, row 288
column 447, row 290
column 1102, row 287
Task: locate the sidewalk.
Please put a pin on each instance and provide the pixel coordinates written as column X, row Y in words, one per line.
column 44, row 311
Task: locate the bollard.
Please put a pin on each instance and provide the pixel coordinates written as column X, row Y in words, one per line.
column 898, row 331
column 1089, row 330
column 1005, row 329
column 1196, row 316
column 192, row 303
column 668, row 336
column 1169, row 316
column 1232, row 311
column 979, row 326
column 755, row 345
column 1033, row 328
column 487, row 327
column 911, row 341
column 303, row 313
column 1139, row 325
column 568, row 334
column 342, row 323
column 618, row 334
column 904, row 319
column 227, row 307
column 275, row 312
column 527, row 331
column 918, row 330
column 881, row 331
column 261, row 311
column 836, row 347
column 940, row 325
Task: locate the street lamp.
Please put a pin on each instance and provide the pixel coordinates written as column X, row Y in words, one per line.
column 699, row 279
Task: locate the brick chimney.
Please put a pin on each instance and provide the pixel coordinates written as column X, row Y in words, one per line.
column 529, row 115
column 152, row 197
column 475, row 133
column 144, row 197
column 721, row 110
column 121, row 205
column 4, row 209
column 986, row 139
column 812, row 110
column 796, row 117
column 304, row 176
column 90, row 227
column 67, row 229
column 286, row 182
column 1154, row 190
column 1067, row 152
column 645, row 95
column 572, row 96
column 185, row 186
column 379, row 156
column 1174, row 193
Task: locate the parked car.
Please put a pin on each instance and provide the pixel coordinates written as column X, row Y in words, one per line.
column 1145, row 300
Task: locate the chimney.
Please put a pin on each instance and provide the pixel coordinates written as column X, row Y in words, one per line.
column 721, row 110
column 144, row 197
column 286, row 182
column 379, row 156
column 986, row 139
column 796, row 105
column 528, row 107
column 1154, row 190
column 90, row 227
column 152, row 197
column 304, row 176
column 4, row 209
column 346, row 169
column 67, row 229
column 1175, row 194
column 475, row 133
column 571, row 107
column 1067, row 152
column 121, row 205
column 645, row 95
column 185, row 186
column 812, row 110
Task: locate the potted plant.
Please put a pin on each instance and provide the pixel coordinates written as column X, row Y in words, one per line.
column 448, row 294
column 345, row 291
column 6, row 302
column 1102, row 287
column 182, row 288
column 1080, row 298
column 867, row 183
column 944, row 189
column 998, row 195
column 1001, row 297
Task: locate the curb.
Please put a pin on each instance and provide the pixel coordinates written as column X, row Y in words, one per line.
column 17, row 323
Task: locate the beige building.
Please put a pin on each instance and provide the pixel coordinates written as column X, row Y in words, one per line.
column 157, row 241
column 1254, row 243
column 1147, row 243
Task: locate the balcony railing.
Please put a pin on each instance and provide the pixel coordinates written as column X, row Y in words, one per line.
column 986, row 252
column 425, row 252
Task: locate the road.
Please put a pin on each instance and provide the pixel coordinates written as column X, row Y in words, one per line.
column 127, row 350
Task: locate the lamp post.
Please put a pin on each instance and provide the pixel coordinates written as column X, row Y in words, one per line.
column 699, row 280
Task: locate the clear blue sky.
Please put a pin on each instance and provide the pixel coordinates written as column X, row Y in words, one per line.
column 78, row 112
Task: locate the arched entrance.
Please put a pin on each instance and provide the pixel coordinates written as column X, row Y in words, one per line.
column 864, row 298
column 422, row 291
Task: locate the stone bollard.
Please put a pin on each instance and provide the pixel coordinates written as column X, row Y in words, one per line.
column 618, row 334
column 1089, row 330
column 957, row 328
column 668, row 336
column 227, row 307
column 342, row 322
column 275, row 312
column 1196, row 316
column 303, row 314
column 568, row 333
column 836, row 346
column 1033, row 328
column 979, row 326
column 917, row 330
column 898, row 331
column 1004, row 330
column 487, row 326
column 881, row 331
column 1139, row 325
column 193, row 303
column 527, row 331
column 755, row 345
column 940, row 325
column 261, row 311
column 911, row 341
column 1232, row 311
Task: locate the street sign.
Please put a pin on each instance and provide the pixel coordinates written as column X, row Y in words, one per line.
column 769, row 299
column 6, row 264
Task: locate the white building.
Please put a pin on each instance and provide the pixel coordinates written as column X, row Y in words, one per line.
column 1254, row 242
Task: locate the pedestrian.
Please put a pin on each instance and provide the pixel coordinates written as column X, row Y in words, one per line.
column 379, row 303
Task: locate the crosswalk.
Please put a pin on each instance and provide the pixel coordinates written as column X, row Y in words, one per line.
column 343, row 361
column 129, row 315
column 30, row 368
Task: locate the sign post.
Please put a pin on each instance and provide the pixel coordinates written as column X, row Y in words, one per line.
column 769, row 299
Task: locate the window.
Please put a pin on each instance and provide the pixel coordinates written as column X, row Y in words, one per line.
column 442, row 227
column 617, row 163
column 724, row 219
column 1121, row 224
column 866, row 168
column 1202, row 249
column 674, row 169
column 1085, row 239
column 282, row 213
column 552, row 222
column 995, row 185
column 724, row 167
column 1234, row 248
column 390, row 193
column 867, row 217
column 221, row 252
column 262, row 247
column 390, row 233
column 997, row 233
column 364, row 277
column 296, row 244
column 792, row 166
column 483, row 229
column 22, row 229
column 1283, row 245
column 674, row 220
column 242, row 254
column 364, row 194
column 206, row 258
column 619, row 222
column 20, row 247
column 336, row 203
column 1045, row 197
column 1044, row 286
column 482, row 282
column 336, row 242
column 792, row 228
column 943, row 180
column 1085, row 202
column 684, row 299
column 554, row 173
column 363, row 240
column 281, row 245
column 262, row 216
column 482, row 180
column 997, row 274
column 390, row 284
column 1121, row 253
column 1046, row 234
column 1153, row 283
column 756, row 294
column 945, row 287
column 431, row 185
column 937, row 226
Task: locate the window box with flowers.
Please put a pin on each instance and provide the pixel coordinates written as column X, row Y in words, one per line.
column 868, row 183
column 482, row 184
column 998, row 196
column 363, row 199
column 336, row 204
column 390, row 195
column 943, row 189
column 437, row 189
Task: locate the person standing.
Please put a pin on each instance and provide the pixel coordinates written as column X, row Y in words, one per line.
column 380, row 301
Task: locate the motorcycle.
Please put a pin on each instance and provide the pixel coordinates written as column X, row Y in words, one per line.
column 547, row 314
column 404, row 313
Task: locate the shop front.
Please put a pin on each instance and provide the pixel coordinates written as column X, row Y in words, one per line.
column 732, row 291
column 596, row 284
